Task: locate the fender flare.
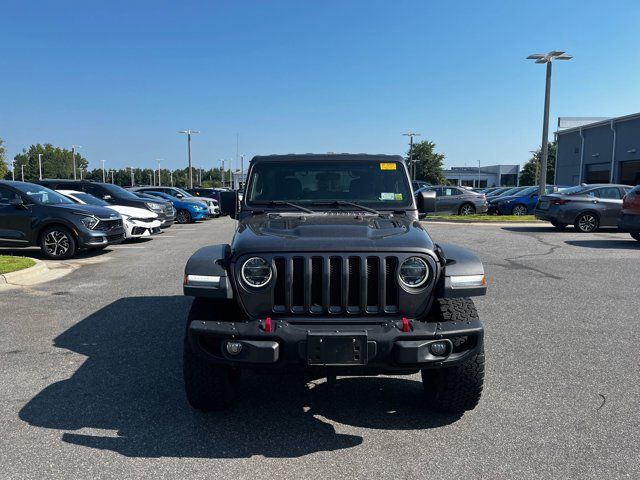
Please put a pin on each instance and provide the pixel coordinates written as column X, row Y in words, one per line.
column 462, row 274
column 205, row 274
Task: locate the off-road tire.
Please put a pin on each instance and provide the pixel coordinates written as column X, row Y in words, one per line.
column 208, row 386
column 459, row 388
column 558, row 225
column 63, row 239
column 635, row 235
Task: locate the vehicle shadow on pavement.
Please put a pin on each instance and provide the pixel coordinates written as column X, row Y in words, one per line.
column 128, row 396
column 612, row 244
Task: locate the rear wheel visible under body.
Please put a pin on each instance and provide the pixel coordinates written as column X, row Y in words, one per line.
column 466, row 209
column 587, row 222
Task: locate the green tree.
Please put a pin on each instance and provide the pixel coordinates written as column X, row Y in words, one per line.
column 56, row 162
column 530, row 171
column 4, row 169
column 429, row 162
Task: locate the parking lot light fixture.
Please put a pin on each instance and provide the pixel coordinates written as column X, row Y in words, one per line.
column 547, row 59
column 73, row 157
column 412, row 168
column 103, row 172
column 189, row 133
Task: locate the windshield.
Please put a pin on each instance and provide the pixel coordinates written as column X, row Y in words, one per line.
column 117, row 192
column 511, row 191
column 42, row 195
column 381, row 185
column 90, row 199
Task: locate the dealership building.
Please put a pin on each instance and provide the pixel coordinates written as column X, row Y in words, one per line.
column 481, row 177
column 605, row 151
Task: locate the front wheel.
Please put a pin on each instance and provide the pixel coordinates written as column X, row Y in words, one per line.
column 459, row 388
column 467, row 209
column 57, row 243
column 519, row 210
column 208, row 386
column 635, row 235
column 587, row 222
column 183, row 216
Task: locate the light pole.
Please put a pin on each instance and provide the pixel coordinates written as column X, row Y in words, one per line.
column 159, row 160
column 132, row 177
column 40, row 164
column 73, row 156
column 222, row 174
column 22, row 169
column 13, row 170
column 411, row 165
column 104, row 180
column 548, row 60
column 112, row 181
column 171, row 176
column 189, row 133
column 478, row 173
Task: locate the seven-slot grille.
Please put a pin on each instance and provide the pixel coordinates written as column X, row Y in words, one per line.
column 108, row 225
column 354, row 284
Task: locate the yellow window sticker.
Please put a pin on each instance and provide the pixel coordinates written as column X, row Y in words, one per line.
column 388, row 166
column 398, row 196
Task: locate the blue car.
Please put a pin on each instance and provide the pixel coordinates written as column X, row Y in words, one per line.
column 520, row 202
column 186, row 211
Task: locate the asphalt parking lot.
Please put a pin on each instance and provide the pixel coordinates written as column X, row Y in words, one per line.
column 90, row 375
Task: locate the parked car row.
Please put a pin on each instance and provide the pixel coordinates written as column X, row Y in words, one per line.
column 455, row 200
column 589, row 207
column 63, row 217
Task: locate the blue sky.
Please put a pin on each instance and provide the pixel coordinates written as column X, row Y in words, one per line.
column 120, row 77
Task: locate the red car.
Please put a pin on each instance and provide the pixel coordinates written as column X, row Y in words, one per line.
column 629, row 221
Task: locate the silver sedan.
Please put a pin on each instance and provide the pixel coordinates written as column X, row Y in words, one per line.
column 457, row 200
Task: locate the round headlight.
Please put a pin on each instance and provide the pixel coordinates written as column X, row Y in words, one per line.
column 414, row 272
column 256, row 272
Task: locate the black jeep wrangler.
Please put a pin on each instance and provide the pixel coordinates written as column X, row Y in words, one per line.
column 331, row 273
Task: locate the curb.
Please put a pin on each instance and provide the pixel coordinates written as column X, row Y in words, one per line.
column 27, row 274
column 500, row 224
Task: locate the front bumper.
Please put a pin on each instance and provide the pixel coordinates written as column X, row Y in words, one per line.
column 629, row 223
column 96, row 238
column 379, row 347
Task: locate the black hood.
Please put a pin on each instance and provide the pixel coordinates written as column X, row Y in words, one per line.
column 101, row 212
column 332, row 231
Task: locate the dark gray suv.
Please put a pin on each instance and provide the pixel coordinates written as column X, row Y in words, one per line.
column 586, row 207
column 33, row 215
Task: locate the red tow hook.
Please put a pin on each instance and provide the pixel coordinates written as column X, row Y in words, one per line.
column 405, row 325
column 268, row 327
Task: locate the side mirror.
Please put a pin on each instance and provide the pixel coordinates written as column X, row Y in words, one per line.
column 179, row 195
column 107, row 197
column 229, row 204
column 426, row 201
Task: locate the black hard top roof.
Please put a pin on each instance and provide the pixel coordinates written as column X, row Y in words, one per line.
column 304, row 157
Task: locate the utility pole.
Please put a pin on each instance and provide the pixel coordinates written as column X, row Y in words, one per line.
column 13, row 170
column 171, row 176
column 132, row 177
column 548, row 60
column 412, row 166
column 112, row 181
column 223, row 175
column 22, row 168
column 103, row 173
column 478, row 174
column 189, row 133
column 40, row 164
column 73, row 156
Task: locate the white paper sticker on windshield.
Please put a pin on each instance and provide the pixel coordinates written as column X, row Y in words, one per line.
column 386, row 196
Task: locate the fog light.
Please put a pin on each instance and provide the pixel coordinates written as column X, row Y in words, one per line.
column 234, row 348
column 438, row 348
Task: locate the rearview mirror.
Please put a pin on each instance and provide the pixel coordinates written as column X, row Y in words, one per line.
column 426, row 201
column 229, row 204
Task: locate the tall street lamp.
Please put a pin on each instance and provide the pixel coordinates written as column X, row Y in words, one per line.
column 40, row 164
column 159, row 160
column 132, row 177
column 548, row 60
column 13, row 170
column 189, row 133
column 104, row 179
column 73, row 156
column 411, row 165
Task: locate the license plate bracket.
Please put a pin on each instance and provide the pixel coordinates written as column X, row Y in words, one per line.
column 337, row 348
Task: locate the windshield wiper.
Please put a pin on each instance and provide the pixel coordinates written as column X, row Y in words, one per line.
column 276, row 203
column 344, row 203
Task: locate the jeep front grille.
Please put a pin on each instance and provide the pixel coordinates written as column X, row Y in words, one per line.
column 335, row 284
